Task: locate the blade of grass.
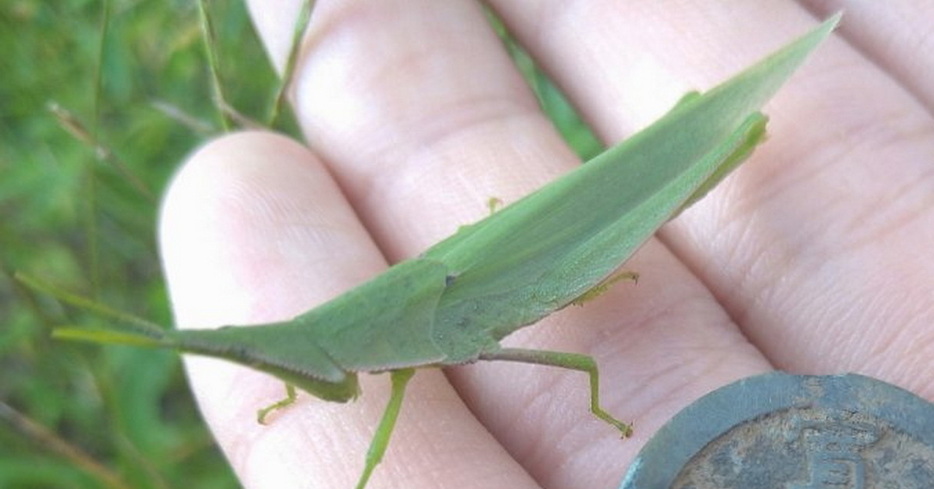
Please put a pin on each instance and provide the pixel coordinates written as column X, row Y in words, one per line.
column 74, row 126
column 301, row 24
column 144, row 463
column 99, row 69
column 47, row 439
column 207, row 34
column 90, row 198
column 238, row 118
column 177, row 114
column 91, row 230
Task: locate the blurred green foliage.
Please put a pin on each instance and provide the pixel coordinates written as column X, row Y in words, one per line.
column 86, row 223
column 79, row 191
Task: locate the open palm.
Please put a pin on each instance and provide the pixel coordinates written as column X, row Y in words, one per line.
column 814, row 258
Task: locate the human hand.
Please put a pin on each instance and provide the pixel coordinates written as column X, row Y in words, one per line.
column 813, row 258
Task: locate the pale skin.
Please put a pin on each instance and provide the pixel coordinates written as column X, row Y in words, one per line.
column 814, row 258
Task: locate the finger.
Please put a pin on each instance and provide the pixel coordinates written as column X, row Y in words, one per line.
column 423, row 118
column 254, row 230
column 819, row 246
column 895, row 35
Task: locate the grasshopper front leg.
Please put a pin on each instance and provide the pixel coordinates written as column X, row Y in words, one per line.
column 573, row 361
column 290, row 397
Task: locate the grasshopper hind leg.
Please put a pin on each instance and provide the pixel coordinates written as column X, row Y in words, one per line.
column 572, row 361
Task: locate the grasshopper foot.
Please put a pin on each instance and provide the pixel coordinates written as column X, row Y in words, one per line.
column 262, row 415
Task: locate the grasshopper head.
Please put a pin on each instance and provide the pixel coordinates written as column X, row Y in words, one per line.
column 279, row 349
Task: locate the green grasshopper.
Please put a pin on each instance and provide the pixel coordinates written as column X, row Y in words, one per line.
column 557, row 246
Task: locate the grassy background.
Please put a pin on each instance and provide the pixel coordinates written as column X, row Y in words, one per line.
column 79, row 190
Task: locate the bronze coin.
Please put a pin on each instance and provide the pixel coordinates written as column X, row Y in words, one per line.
column 782, row 431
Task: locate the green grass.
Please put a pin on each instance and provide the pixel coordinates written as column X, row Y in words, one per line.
column 87, row 223
column 79, row 198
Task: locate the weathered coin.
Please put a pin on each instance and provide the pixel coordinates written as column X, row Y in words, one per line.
column 781, row 431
